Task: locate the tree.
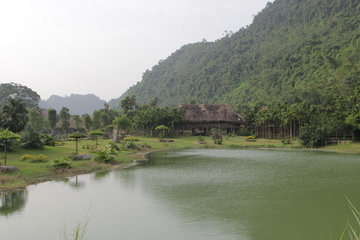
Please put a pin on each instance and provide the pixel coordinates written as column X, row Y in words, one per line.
column 77, row 121
column 6, row 137
column 52, row 118
column 36, row 120
column 65, row 119
column 77, row 136
column 124, row 123
column 87, row 122
column 96, row 120
column 96, row 133
column 14, row 90
column 14, row 115
column 162, row 130
column 128, row 103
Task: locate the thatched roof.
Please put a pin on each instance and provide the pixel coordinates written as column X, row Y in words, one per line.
column 202, row 113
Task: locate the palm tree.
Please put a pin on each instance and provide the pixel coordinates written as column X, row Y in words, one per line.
column 14, row 115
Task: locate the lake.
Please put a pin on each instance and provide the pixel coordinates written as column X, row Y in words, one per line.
column 195, row 194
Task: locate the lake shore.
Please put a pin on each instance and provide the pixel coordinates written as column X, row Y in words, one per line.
column 32, row 173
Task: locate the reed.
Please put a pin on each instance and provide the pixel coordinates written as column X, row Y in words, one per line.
column 352, row 229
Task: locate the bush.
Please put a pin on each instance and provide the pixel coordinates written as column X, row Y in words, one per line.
column 201, row 140
column 112, row 147
column 47, row 140
column 32, row 141
column 33, row 158
column 129, row 145
column 313, row 136
column 216, row 133
column 132, row 139
column 61, row 164
column 250, row 139
column 104, row 157
column 218, row 141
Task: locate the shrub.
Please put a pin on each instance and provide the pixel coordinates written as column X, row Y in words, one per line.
column 218, row 141
column 32, row 141
column 250, row 139
column 61, row 163
column 112, row 147
column 129, row 145
column 313, row 136
column 26, row 157
column 201, row 140
column 104, row 156
column 47, row 140
column 216, row 133
column 33, row 158
column 132, row 139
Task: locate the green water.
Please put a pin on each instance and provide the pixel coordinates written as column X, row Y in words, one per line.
column 196, row 194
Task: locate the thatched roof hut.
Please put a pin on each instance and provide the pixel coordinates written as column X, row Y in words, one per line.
column 202, row 117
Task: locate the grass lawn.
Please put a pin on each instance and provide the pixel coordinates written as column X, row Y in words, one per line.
column 36, row 172
column 345, row 147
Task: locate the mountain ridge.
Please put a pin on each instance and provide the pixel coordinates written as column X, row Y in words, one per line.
column 77, row 104
column 291, row 52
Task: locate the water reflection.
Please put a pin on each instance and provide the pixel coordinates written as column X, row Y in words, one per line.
column 12, row 202
column 127, row 177
column 101, row 175
column 75, row 183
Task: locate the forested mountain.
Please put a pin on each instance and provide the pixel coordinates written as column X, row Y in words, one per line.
column 294, row 51
column 76, row 103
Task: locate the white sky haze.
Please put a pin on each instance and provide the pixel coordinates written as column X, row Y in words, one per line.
column 103, row 46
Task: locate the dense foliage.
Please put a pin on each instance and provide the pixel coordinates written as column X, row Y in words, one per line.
column 293, row 51
column 14, row 115
column 300, row 56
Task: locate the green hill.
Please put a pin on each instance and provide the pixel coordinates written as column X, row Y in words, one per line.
column 294, row 51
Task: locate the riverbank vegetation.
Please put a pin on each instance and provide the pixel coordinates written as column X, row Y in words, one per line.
column 42, row 169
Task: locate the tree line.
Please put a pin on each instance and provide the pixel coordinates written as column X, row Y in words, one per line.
column 20, row 114
column 313, row 124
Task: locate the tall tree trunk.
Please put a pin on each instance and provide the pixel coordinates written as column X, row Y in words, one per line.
column 5, row 153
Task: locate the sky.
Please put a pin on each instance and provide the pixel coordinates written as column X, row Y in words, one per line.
column 103, row 47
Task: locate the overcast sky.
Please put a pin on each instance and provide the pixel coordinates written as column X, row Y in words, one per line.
column 104, row 46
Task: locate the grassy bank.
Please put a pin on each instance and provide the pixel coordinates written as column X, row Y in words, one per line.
column 36, row 172
column 344, row 147
column 30, row 172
